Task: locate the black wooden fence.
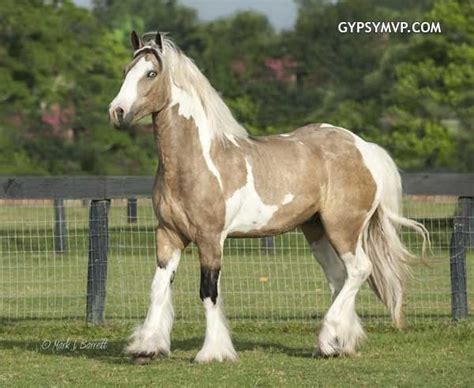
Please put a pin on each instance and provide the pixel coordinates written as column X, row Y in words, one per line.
column 100, row 190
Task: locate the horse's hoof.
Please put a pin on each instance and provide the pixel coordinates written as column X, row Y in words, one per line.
column 142, row 358
column 319, row 354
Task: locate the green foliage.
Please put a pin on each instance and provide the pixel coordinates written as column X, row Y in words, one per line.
column 14, row 160
column 61, row 65
column 147, row 15
column 410, row 93
column 430, row 98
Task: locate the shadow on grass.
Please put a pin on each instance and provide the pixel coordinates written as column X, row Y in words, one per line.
column 113, row 352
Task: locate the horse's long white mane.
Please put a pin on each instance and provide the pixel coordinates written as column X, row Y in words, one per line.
column 184, row 73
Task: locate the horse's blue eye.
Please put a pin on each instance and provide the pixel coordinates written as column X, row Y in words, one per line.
column 151, row 74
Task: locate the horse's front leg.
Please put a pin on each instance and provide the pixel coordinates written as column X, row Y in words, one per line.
column 152, row 338
column 217, row 344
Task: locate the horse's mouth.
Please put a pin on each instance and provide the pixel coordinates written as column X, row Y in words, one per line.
column 120, row 120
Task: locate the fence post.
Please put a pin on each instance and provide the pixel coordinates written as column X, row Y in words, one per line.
column 132, row 215
column 97, row 268
column 458, row 247
column 471, row 223
column 60, row 227
column 268, row 245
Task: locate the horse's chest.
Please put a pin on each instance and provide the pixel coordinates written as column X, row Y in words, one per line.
column 168, row 208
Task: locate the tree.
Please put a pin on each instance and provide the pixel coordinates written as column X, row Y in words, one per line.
column 233, row 56
column 148, row 15
column 61, row 65
column 410, row 93
column 428, row 107
column 59, row 72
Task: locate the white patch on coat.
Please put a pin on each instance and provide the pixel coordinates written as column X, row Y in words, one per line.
column 285, row 134
column 190, row 107
column 375, row 164
column 217, row 344
column 128, row 93
column 288, row 198
column 245, row 210
column 155, row 333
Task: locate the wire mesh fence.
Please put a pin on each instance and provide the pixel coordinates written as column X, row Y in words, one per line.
column 274, row 279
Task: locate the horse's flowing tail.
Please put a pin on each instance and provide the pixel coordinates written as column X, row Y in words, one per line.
column 381, row 241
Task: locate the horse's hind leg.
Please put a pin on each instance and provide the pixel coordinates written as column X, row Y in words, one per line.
column 325, row 254
column 342, row 331
column 153, row 337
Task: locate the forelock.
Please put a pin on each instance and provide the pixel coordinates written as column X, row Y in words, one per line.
column 148, row 48
column 137, row 58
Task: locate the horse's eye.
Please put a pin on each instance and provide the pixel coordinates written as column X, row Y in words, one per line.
column 151, row 74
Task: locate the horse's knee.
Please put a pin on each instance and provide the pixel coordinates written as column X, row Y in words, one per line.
column 167, row 244
column 210, row 254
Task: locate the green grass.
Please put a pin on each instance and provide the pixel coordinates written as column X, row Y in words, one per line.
column 270, row 355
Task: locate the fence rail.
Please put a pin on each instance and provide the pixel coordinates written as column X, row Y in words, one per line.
column 94, row 230
column 84, row 187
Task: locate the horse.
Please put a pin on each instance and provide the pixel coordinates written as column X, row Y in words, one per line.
column 215, row 181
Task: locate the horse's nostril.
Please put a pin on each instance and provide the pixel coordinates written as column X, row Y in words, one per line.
column 119, row 113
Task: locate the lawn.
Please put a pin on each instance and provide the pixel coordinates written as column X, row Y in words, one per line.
column 438, row 355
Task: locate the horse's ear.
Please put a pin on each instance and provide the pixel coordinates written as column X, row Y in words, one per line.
column 159, row 40
column 135, row 40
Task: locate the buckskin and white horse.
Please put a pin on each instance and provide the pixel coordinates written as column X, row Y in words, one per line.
column 215, row 181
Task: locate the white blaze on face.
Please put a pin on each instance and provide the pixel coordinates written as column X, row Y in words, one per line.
column 245, row 210
column 129, row 91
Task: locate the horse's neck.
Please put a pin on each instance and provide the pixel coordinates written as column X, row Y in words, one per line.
column 168, row 141
column 178, row 141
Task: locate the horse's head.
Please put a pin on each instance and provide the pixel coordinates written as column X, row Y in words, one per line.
column 142, row 91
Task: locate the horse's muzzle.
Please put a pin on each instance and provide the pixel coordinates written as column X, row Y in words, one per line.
column 118, row 117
